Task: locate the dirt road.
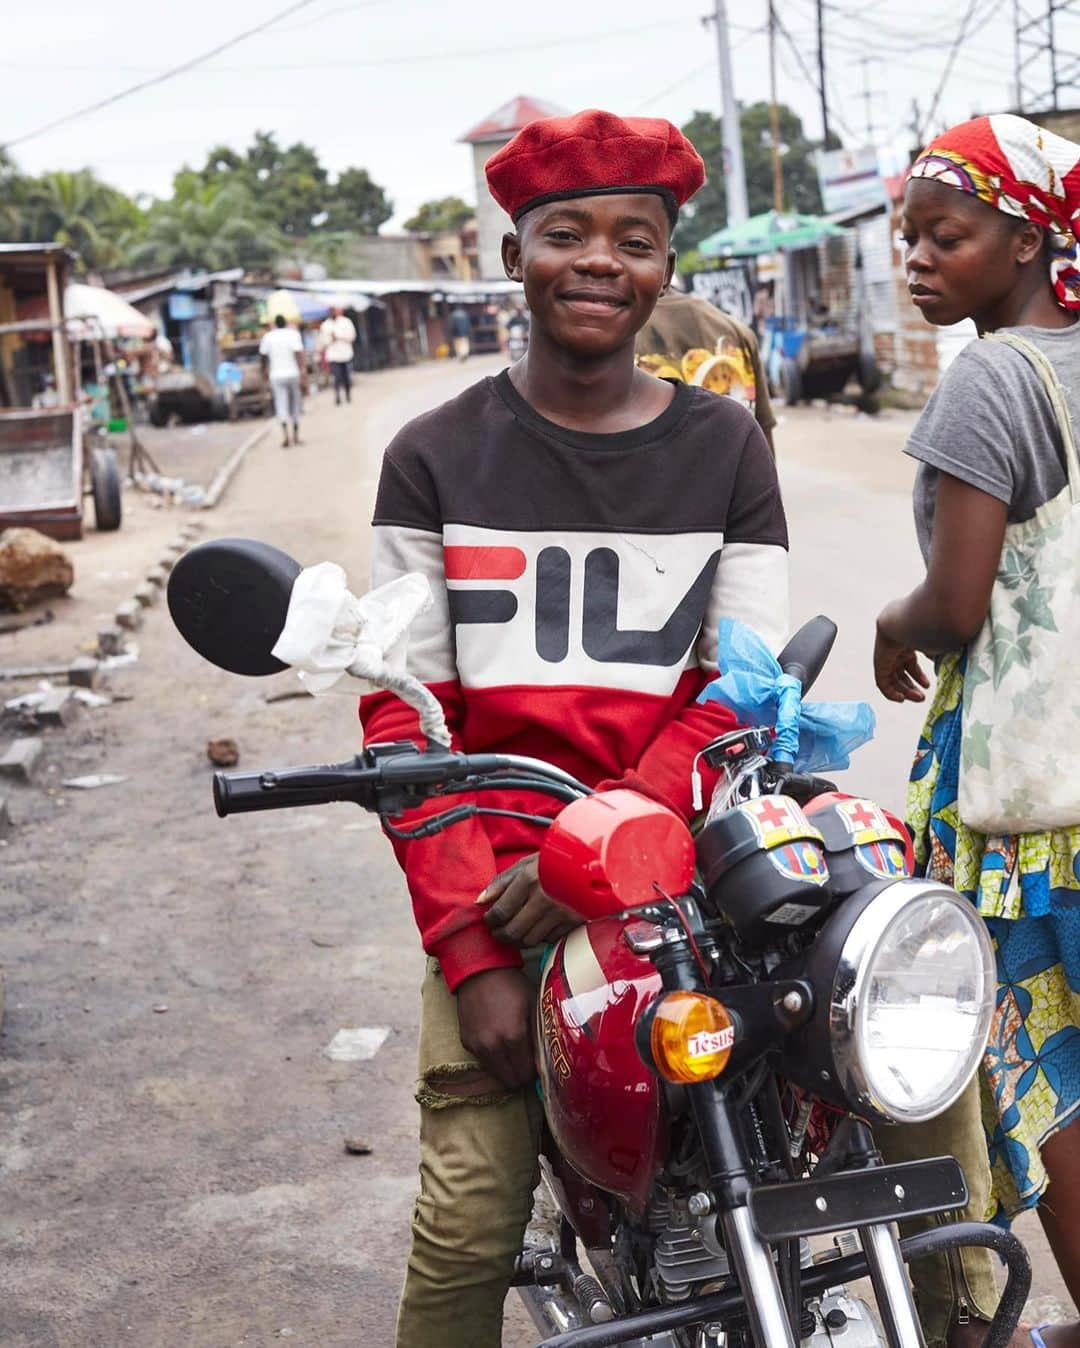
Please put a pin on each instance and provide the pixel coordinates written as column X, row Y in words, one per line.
column 171, row 1132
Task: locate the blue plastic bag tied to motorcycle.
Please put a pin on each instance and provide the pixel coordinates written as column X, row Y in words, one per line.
column 812, row 736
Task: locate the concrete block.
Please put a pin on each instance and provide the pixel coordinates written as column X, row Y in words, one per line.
column 110, row 640
column 6, row 826
column 21, row 760
column 146, row 594
column 129, row 616
column 84, row 672
column 58, row 708
column 157, row 575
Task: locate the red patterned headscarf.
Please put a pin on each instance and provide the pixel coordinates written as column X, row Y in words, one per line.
column 1023, row 171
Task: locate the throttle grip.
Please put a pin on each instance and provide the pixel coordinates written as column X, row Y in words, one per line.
column 244, row 792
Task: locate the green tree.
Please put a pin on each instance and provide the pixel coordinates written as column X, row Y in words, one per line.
column 292, row 189
column 78, row 209
column 445, row 213
column 359, row 204
column 708, row 211
column 13, row 192
column 209, row 226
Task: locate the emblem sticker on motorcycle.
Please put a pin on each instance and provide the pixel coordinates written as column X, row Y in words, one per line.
column 800, row 861
column 777, row 820
column 878, row 846
column 706, row 1042
column 549, row 1027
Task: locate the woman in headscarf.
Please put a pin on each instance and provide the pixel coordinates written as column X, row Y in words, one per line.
column 990, row 221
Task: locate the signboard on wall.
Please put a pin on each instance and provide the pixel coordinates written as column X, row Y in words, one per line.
column 728, row 288
column 851, row 182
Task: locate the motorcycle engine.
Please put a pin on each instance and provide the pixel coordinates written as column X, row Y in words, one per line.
column 687, row 1251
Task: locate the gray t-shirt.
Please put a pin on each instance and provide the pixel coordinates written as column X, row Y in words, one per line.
column 990, row 423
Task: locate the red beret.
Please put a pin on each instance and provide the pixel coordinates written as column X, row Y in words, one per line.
column 590, row 153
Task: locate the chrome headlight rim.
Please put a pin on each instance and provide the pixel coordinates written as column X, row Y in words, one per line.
column 848, row 994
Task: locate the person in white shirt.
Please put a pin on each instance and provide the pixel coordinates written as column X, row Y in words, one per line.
column 338, row 334
column 283, row 350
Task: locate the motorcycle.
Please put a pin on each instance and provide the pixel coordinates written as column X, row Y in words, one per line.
column 717, row 1040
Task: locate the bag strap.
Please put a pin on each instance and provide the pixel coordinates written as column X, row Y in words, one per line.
column 1056, row 394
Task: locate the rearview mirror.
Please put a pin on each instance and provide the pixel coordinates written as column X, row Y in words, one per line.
column 228, row 598
column 805, row 654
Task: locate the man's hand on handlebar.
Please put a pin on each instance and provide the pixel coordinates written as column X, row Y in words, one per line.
column 494, row 1011
column 521, row 913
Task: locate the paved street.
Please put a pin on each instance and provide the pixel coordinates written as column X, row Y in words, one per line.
column 171, row 1132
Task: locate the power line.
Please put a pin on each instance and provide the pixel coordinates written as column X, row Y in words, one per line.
column 169, row 74
column 810, row 79
column 965, row 23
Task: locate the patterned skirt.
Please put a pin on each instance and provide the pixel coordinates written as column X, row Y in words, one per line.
column 1027, row 887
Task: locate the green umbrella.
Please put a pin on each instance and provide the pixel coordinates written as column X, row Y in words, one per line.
column 773, row 232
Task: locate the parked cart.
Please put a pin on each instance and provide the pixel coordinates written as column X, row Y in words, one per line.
column 819, row 338
column 45, row 471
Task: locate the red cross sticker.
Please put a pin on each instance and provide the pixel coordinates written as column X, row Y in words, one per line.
column 771, row 813
column 862, row 816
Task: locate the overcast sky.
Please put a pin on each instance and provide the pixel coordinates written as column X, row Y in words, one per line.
column 389, row 85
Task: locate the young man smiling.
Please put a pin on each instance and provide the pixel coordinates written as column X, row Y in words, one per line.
column 583, row 526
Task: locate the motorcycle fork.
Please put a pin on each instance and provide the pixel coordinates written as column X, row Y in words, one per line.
column 725, row 1157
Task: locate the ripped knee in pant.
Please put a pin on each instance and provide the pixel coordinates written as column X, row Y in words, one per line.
column 460, row 1084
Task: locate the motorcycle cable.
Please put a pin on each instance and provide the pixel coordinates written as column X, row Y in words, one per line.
column 437, row 823
column 695, row 949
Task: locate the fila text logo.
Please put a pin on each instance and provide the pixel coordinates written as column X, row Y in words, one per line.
column 602, row 638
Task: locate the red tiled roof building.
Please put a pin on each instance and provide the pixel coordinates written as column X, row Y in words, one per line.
column 485, row 138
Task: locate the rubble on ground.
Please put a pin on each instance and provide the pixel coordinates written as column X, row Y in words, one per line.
column 32, row 568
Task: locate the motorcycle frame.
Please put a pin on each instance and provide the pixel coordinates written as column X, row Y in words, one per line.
column 758, row 1299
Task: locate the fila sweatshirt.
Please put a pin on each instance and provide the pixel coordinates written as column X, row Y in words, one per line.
column 579, row 580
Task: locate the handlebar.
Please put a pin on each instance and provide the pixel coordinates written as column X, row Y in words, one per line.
column 388, row 779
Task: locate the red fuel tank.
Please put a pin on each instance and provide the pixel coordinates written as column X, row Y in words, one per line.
column 604, row 1107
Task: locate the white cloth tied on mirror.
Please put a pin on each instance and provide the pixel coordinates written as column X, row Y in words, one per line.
column 331, row 636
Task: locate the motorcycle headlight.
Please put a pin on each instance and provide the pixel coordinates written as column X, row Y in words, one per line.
column 904, row 983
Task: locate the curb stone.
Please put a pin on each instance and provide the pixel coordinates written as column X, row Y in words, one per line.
column 22, row 759
column 228, row 469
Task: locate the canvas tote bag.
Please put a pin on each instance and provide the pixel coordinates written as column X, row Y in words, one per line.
column 1020, row 733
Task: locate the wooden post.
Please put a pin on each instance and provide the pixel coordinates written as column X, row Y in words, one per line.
column 59, row 344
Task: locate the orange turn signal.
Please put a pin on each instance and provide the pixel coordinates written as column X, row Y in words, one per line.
column 691, row 1037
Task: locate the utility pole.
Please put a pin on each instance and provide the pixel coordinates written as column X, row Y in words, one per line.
column 1044, row 69
column 821, row 74
column 868, row 96
column 738, row 210
column 774, row 117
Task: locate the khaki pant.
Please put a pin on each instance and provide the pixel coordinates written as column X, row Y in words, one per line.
column 478, row 1170
column 960, row 1284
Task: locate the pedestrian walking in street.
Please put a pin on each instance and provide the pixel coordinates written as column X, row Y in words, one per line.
column 283, row 350
column 990, row 232
column 682, row 323
column 338, row 334
column 571, row 448
column 461, row 332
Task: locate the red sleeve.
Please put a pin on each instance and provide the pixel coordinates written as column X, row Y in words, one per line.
column 664, row 770
column 446, row 873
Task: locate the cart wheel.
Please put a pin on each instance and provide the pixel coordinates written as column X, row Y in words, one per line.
column 219, row 407
column 157, row 414
column 791, row 382
column 105, row 487
column 869, row 374
column 232, row 412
